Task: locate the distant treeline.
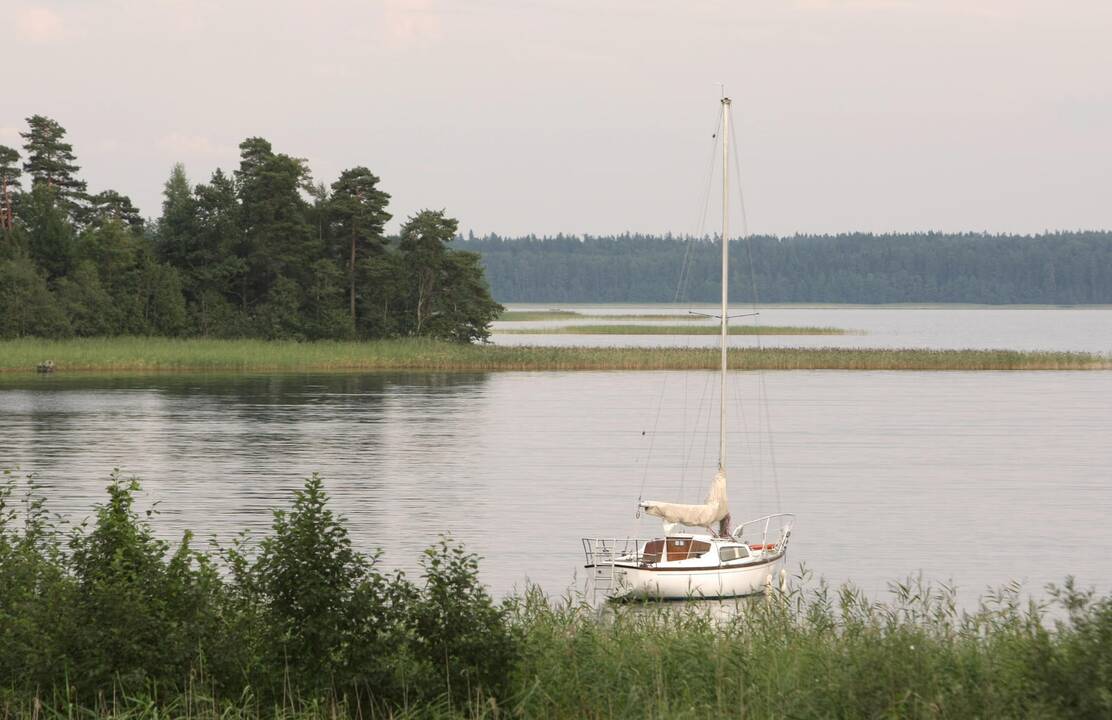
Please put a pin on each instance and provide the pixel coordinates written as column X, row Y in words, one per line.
column 262, row 251
column 1053, row 268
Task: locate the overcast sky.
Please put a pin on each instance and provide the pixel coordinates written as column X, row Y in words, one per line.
column 546, row 116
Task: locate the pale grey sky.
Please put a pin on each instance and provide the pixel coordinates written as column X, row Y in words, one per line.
column 543, row 116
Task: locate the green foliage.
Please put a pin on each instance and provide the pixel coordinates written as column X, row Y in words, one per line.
column 309, row 574
column 245, row 255
column 85, row 301
column 51, row 237
column 461, row 638
column 27, row 307
column 108, row 620
column 111, row 206
column 448, row 297
column 9, row 189
column 358, row 212
column 141, row 613
column 51, row 163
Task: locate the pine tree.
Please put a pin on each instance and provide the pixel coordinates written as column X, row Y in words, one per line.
column 111, row 205
column 50, row 162
column 448, row 296
column 358, row 210
column 278, row 240
column 9, row 186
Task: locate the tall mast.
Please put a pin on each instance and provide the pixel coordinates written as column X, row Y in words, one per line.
column 725, row 278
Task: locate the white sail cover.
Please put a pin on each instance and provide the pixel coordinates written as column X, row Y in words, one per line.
column 713, row 510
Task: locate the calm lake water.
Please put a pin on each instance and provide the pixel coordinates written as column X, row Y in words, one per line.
column 1085, row 329
column 971, row 478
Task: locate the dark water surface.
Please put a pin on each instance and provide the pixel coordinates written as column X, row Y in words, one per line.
column 976, row 478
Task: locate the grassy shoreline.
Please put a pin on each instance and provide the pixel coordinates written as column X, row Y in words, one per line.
column 132, row 354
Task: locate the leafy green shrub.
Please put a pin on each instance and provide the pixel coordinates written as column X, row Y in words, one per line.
column 140, row 615
column 460, row 636
column 36, row 593
column 330, row 618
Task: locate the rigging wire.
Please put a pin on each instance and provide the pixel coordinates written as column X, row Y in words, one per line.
column 681, row 292
column 762, row 387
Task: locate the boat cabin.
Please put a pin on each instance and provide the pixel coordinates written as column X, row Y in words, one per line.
column 704, row 548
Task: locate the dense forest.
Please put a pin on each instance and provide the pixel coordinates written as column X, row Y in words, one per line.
column 1053, row 268
column 262, row 251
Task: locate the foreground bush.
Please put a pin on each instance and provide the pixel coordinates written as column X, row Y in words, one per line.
column 109, row 621
column 110, row 611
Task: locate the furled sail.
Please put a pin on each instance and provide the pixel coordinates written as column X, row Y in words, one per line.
column 713, row 510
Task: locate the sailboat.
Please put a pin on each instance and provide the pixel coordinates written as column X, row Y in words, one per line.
column 710, row 559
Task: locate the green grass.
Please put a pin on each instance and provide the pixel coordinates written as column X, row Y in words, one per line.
column 131, row 354
column 815, row 653
column 537, row 315
column 672, row 330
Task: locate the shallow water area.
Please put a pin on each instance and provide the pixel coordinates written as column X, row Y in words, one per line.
column 944, row 327
column 973, row 478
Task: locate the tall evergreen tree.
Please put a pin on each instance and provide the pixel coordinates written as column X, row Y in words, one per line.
column 9, row 186
column 176, row 231
column 448, row 296
column 422, row 242
column 358, row 209
column 212, row 268
column 51, row 162
column 278, row 240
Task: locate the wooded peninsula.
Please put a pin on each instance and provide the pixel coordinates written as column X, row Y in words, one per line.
column 261, row 252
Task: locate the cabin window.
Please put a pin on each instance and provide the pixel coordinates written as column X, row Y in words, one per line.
column 733, row 552
column 686, row 548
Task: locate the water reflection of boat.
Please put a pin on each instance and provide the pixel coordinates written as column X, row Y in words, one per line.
column 721, row 561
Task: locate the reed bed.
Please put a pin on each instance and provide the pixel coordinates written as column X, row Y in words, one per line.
column 672, row 330
column 135, row 354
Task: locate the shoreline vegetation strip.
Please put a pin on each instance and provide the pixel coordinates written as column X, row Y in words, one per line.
column 106, row 620
column 137, row 354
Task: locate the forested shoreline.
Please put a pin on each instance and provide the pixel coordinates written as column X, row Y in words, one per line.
column 263, row 251
column 1064, row 268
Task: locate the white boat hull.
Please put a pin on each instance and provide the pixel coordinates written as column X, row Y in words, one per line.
column 645, row 583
